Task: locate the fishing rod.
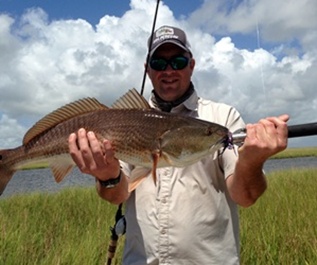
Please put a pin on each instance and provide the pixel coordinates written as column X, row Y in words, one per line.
column 150, row 46
column 119, row 226
column 117, row 230
column 299, row 130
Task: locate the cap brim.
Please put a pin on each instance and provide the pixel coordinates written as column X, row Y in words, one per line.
column 172, row 42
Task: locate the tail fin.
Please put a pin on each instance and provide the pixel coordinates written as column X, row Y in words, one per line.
column 5, row 172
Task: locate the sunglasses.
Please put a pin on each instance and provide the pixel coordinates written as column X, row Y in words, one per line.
column 177, row 63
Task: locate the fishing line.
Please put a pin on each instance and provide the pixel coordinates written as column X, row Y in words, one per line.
column 150, row 46
column 258, row 36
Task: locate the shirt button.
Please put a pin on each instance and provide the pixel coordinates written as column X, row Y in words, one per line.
column 163, row 231
column 164, row 200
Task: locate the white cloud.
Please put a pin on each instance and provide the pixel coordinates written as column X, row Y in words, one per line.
column 280, row 20
column 11, row 132
column 45, row 64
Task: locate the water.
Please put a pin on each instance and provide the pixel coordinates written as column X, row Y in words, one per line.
column 288, row 163
column 41, row 180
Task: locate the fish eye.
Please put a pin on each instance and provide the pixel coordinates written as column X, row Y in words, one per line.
column 209, row 132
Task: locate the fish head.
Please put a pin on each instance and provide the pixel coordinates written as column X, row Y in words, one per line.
column 188, row 144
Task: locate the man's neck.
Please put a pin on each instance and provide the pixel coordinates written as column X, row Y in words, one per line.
column 167, row 106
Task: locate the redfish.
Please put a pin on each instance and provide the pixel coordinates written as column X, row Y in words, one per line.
column 140, row 135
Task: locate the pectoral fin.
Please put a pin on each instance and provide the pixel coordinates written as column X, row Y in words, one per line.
column 138, row 175
column 156, row 158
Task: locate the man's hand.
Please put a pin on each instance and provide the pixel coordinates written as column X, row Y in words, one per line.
column 264, row 139
column 92, row 157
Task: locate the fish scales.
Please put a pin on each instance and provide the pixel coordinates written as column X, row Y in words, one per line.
column 140, row 136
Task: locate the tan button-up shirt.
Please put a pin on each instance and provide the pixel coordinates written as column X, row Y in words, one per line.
column 188, row 217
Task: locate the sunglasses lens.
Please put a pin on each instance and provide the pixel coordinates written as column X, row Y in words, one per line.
column 158, row 64
column 179, row 63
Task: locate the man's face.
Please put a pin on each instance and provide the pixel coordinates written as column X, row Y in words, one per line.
column 171, row 84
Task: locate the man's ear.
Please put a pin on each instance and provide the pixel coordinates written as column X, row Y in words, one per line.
column 192, row 64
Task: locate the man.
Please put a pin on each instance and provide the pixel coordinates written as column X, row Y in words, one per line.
column 190, row 216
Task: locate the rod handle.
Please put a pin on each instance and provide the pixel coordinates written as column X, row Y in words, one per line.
column 299, row 130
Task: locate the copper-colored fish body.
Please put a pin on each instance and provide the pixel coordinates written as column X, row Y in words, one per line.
column 140, row 136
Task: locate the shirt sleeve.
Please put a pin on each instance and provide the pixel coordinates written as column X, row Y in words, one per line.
column 230, row 155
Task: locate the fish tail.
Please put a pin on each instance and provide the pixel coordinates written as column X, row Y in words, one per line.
column 6, row 172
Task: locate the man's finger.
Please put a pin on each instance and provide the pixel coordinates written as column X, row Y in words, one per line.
column 74, row 150
column 109, row 152
column 97, row 149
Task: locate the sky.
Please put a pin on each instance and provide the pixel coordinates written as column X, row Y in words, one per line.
column 258, row 56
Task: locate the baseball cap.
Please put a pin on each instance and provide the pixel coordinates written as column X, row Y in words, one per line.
column 168, row 34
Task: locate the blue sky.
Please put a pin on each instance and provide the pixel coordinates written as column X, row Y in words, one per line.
column 68, row 9
column 259, row 56
column 91, row 11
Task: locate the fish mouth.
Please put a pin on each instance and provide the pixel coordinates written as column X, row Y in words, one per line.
column 222, row 144
column 226, row 143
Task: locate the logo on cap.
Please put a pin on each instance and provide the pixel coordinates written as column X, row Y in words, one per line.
column 164, row 31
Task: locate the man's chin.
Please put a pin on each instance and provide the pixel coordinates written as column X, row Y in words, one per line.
column 168, row 96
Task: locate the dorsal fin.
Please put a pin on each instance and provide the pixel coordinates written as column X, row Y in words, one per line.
column 62, row 114
column 131, row 100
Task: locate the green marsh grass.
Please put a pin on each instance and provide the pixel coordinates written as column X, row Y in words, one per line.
column 281, row 228
column 297, row 152
column 68, row 227
column 72, row 226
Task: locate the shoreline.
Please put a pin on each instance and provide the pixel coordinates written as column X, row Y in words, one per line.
column 42, row 180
